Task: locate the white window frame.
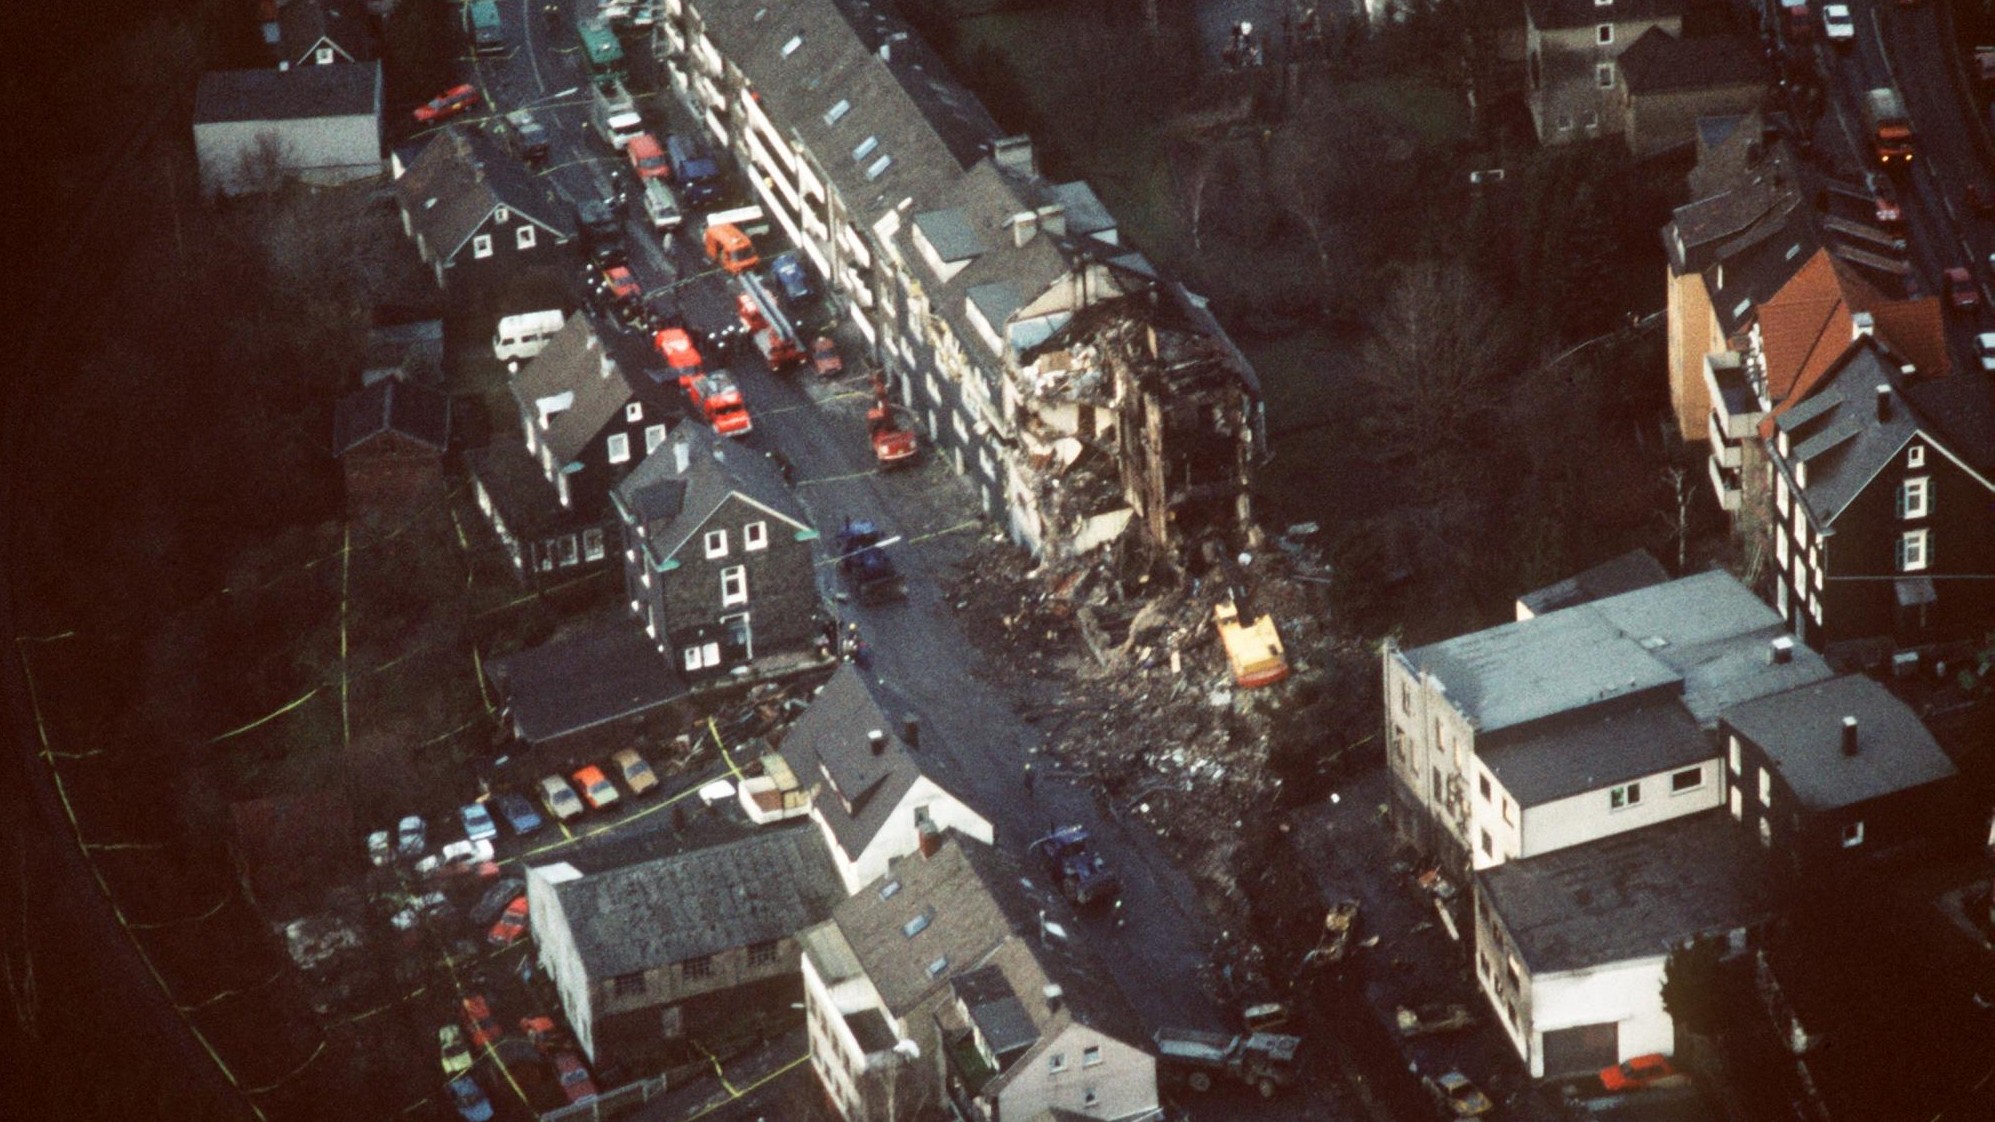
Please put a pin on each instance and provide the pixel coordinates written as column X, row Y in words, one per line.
column 322, row 56
column 1732, row 754
column 734, row 586
column 618, row 447
column 1914, row 497
column 592, row 544
column 526, row 237
column 1624, row 796
column 1915, row 549
column 754, row 536
column 1676, row 788
column 1603, row 35
column 1915, row 456
column 1853, row 834
column 1091, row 1055
column 481, row 246
column 653, row 437
column 1765, row 788
column 716, row 544
column 633, row 412
column 1056, row 1063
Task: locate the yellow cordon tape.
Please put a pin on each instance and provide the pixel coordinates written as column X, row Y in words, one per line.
column 268, row 717
column 718, row 1073
column 714, row 728
column 767, row 1079
column 345, row 572
column 209, row 914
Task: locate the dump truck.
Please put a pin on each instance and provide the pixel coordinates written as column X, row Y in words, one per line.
column 716, row 397
column 1889, row 126
column 894, row 443
column 1253, row 649
column 865, row 565
column 1070, row 859
column 1264, row 1061
column 766, row 323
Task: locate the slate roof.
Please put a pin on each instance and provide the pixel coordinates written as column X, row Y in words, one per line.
column 1837, row 434
column 950, row 235
column 300, row 93
column 1960, row 415
column 391, row 405
column 1756, row 264
column 1594, row 749
column 1626, row 573
column 575, row 362
column 603, row 670
column 955, row 115
column 1086, row 216
column 1659, row 62
column 527, row 503
column 1628, row 896
column 303, row 24
column 642, row 916
column 459, row 178
column 1801, row 731
column 411, row 351
column 1586, row 13
column 671, row 505
column 1085, row 995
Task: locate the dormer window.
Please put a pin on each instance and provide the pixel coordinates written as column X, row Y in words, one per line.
column 1604, row 34
column 1915, row 456
column 790, row 47
column 837, row 112
column 501, row 215
column 866, row 148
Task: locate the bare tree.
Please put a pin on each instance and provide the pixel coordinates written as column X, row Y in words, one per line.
column 1436, row 349
column 264, row 167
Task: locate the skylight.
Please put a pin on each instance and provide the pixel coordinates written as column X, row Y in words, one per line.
column 936, row 968
column 790, row 47
column 879, row 167
column 888, row 889
column 837, row 112
column 866, row 148
column 917, row 925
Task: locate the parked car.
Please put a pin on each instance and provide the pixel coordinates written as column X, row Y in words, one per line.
column 574, row 1078
column 1984, row 349
column 380, row 848
column 1963, row 295
column 618, row 284
column 1837, row 26
column 601, row 233
column 647, row 157
column 824, row 357
column 662, row 207
column 510, row 926
column 1459, row 1097
column 466, row 852
column 447, row 104
column 545, row 1035
column 519, row 814
column 456, row 1053
column 478, row 824
column 470, row 1100
column 478, row 1021
column 1638, row 1073
column 495, row 900
column 597, row 790
column 411, row 837
column 559, row 798
column 792, row 281
column 637, row 775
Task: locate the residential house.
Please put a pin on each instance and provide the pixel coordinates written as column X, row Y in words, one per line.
column 1594, row 720
column 1882, row 532
column 718, row 556
column 322, row 32
column 1572, row 946
column 593, row 690
column 390, row 438
column 1834, row 776
column 870, row 793
column 254, row 130
column 1666, row 84
column 479, row 218
column 647, row 951
column 1632, row 570
column 1572, row 51
column 880, row 971
column 954, row 259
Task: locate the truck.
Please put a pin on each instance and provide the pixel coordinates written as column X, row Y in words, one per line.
column 716, row 397
column 1889, row 126
column 488, row 34
column 1264, row 1061
column 1253, row 649
column 613, row 112
column 1070, row 859
column 766, row 324
column 693, row 169
column 866, row 566
column 894, row 443
column 599, row 45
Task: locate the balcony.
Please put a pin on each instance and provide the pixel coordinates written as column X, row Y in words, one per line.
column 1735, row 410
column 1725, row 483
column 1726, row 452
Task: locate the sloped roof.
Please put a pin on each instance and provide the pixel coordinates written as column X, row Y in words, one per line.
column 303, row 24
column 829, row 747
column 951, row 110
column 461, row 177
column 604, row 669
column 1960, row 415
column 654, row 913
column 1809, row 324
column 1586, row 13
column 575, row 362
column 1659, row 62
column 1746, row 271
column 392, row 405
column 1836, row 431
column 1801, row 731
column 1082, row 993
column 525, row 501
column 300, row 93
column 670, row 504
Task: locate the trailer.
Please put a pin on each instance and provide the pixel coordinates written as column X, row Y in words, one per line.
column 1264, row 1061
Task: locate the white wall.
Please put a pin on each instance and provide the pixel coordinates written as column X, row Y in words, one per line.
column 899, row 837
column 1589, row 816
column 1124, row 1082
column 1626, row 993
column 320, row 150
column 558, row 959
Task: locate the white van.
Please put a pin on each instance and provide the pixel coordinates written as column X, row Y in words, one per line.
column 525, row 335
column 661, row 206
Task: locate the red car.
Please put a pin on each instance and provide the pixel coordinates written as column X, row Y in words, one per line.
column 677, row 348
column 620, row 284
column 511, row 925
column 647, row 158
column 447, row 104
column 478, row 1019
column 1637, row 1073
column 1963, row 295
column 825, row 359
column 544, row 1034
column 575, row 1081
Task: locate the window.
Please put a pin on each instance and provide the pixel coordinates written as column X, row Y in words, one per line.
column 1057, row 1062
column 1914, row 550
column 1915, row 456
column 1091, row 1055
column 1604, row 34
column 633, row 412
column 1738, row 805
column 626, row 985
column 1732, row 753
column 716, row 544
column 733, row 587
column 618, row 446
column 1405, row 698
column 1689, row 779
column 1766, row 833
column 1852, row 835
column 1620, row 798
column 936, row 968
column 1488, row 845
column 1765, row 787
column 762, row 954
column 1507, row 809
column 1482, row 784
column 323, row 56
column 837, row 112
column 523, row 238
column 592, row 544
column 866, row 148
column 1913, row 498
column 888, row 889
column 790, row 47
column 1565, row 122
column 653, row 437
column 1603, row 76
column 755, row 536
column 481, row 246
column 1437, row 784
column 566, row 549
column 701, row 967
column 1089, row 1098
column 918, row 924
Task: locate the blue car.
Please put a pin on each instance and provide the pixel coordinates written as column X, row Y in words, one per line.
column 792, row 280
column 519, row 813
column 478, row 824
column 470, row 1100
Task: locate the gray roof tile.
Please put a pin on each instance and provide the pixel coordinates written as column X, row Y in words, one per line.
column 392, row 405
column 1801, row 731
column 605, row 669
column 829, row 747
column 300, row 93
column 461, row 177
column 575, row 366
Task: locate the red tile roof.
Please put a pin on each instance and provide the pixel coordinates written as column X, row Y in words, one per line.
column 1807, row 325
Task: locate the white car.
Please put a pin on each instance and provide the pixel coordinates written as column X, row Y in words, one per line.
column 1837, row 25
column 1984, row 349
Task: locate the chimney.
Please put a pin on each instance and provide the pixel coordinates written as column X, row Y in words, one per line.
column 1014, row 154
column 682, row 455
column 911, row 730
column 877, row 741
column 1023, row 226
column 1884, row 403
column 1783, row 650
column 1861, row 324
column 1053, row 219
column 1053, row 994
column 1849, row 736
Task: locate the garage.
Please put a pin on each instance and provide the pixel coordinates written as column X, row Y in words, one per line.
column 1582, row 1049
